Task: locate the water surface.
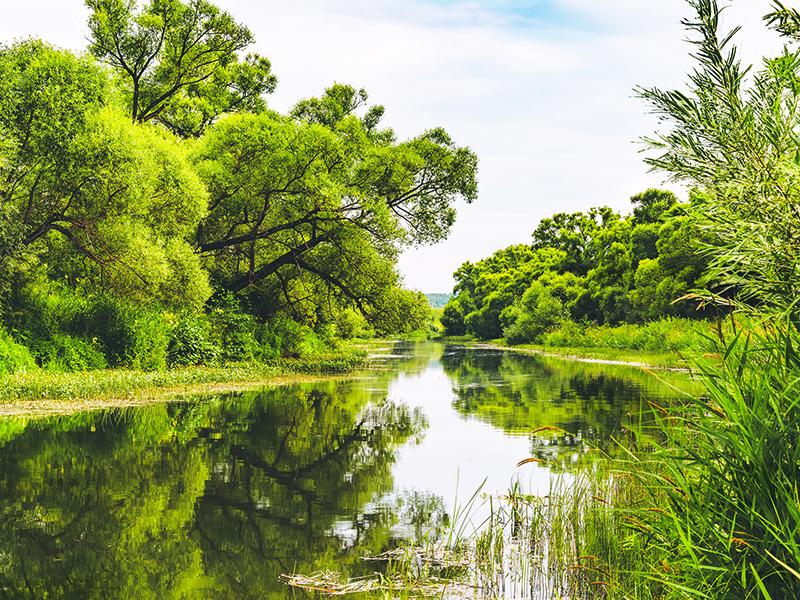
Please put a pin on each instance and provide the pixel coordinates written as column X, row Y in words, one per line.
column 217, row 496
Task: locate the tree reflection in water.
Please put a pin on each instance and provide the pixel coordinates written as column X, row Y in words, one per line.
column 595, row 405
column 205, row 499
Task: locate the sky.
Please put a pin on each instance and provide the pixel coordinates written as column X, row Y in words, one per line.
column 542, row 90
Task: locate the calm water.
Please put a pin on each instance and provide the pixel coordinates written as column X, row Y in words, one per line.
column 217, row 496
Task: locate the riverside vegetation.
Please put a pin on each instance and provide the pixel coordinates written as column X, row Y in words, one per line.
column 156, row 214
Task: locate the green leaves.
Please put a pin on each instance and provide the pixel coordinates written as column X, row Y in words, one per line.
column 322, row 202
column 735, row 139
column 179, row 61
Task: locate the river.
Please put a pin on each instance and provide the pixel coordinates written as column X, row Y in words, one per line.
column 216, row 496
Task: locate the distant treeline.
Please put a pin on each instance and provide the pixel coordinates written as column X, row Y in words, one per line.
column 596, row 267
column 438, row 300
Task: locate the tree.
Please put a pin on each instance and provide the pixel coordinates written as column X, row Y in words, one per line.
column 733, row 136
column 179, row 61
column 324, row 198
column 105, row 201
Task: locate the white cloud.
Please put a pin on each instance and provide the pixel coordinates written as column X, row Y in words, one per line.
column 548, row 107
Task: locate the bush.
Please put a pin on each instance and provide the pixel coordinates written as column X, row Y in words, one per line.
column 453, row 318
column 44, row 309
column 133, row 337
column 538, row 313
column 69, row 353
column 666, row 335
column 352, row 324
column 191, row 343
column 400, row 311
column 14, row 357
column 234, row 331
column 282, row 336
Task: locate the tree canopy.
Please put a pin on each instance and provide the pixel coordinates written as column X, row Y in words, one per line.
column 595, row 267
column 151, row 173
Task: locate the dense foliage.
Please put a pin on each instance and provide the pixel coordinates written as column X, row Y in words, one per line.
column 596, row 267
column 726, row 478
column 154, row 211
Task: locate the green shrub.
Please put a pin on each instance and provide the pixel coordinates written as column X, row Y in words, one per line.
column 234, row 330
column 537, row 313
column 666, row 335
column 453, row 318
column 44, row 309
column 282, row 336
column 352, row 324
column 133, row 337
column 14, row 357
column 191, row 343
column 69, row 353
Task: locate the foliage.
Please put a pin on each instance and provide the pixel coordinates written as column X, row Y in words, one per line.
column 131, row 193
column 14, row 357
column 731, row 514
column 101, row 201
column 312, row 209
column 725, row 479
column 69, row 353
column 190, row 343
column 179, row 61
column 133, row 336
column 732, row 136
column 598, row 267
column 402, row 311
column 665, row 335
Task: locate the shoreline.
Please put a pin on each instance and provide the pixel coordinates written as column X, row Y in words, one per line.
column 40, row 394
column 43, row 408
column 667, row 361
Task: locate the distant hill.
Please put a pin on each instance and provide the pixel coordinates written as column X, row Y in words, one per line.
column 438, row 300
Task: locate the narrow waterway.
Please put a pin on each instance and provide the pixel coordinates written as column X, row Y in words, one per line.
column 217, row 496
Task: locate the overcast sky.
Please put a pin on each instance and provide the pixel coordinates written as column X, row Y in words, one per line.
column 540, row 89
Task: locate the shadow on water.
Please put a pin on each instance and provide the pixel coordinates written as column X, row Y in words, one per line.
column 218, row 496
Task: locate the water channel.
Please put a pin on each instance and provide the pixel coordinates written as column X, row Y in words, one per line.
column 218, row 495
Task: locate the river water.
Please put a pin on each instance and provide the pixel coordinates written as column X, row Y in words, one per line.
column 218, row 495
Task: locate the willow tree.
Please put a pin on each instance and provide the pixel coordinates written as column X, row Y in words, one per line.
column 85, row 193
column 326, row 196
column 181, row 63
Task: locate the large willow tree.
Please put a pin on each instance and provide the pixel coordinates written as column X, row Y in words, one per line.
column 156, row 169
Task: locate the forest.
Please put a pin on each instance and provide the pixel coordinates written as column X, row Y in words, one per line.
column 596, row 267
column 155, row 212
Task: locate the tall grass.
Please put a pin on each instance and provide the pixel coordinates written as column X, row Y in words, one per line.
column 665, row 335
column 727, row 476
column 46, row 385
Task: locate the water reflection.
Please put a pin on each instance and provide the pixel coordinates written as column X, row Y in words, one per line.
column 576, row 406
column 217, row 496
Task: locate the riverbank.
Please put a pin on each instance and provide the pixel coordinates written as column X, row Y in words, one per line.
column 39, row 393
column 671, row 361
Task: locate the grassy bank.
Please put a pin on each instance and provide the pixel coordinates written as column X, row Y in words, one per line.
column 667, row 343
column 111, row 387
column 636, row 358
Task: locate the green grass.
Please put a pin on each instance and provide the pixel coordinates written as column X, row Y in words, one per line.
column 664, row 335
column 45, row 385
column 658, row 360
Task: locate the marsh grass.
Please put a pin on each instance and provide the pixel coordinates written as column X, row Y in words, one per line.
column 53, row 386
